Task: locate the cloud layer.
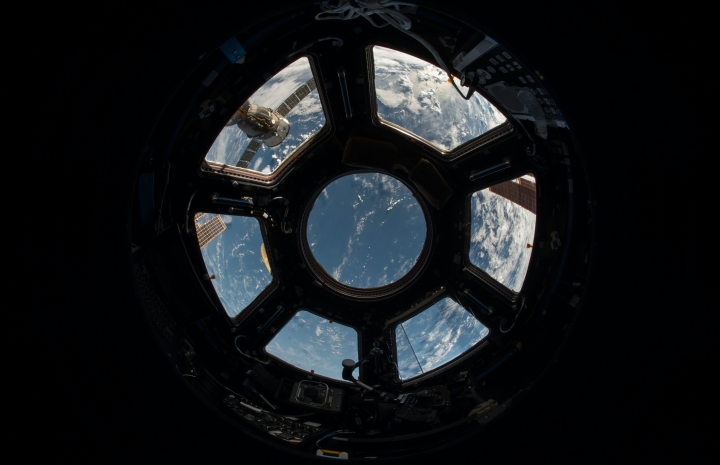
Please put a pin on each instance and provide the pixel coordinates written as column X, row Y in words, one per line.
column 366, row 230
column 234, row 258
column 416, row 95
column 311, row 342
column 434, row 337
column 500, row 232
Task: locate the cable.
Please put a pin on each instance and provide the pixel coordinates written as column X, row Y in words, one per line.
column 266, row 401
column 187, row 212
column 317, row 443
column 233, row 392
column 393, row 17
column 522, row 305
column 246, row 355
column 411, row 347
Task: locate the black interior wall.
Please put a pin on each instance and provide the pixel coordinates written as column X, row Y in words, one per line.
column 623, row 387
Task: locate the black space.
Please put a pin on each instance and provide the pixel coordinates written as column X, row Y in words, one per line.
column 629, row 386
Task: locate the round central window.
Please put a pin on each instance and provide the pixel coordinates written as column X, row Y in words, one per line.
column 366, row 230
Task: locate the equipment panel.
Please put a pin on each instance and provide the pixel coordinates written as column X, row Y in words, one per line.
column 286, row 428
column 317, row 395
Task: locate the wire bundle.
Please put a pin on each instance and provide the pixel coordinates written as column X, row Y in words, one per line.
column 394, row 17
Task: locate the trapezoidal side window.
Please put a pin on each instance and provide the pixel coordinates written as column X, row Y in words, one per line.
column 502, row 229
column 315, row 344
column 439, row 334
column 416, row 96
column 278, row 119
column 236, row 259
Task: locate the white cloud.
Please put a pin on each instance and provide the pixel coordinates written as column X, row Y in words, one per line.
column 417, row 96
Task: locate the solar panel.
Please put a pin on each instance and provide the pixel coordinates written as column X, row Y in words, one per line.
column 249, row 153
column 210, row 230
column 295, row 98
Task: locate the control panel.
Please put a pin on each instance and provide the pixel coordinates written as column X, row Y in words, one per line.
column 419, row 407
column 317, row 395
column 286, row 428
column 495, row 69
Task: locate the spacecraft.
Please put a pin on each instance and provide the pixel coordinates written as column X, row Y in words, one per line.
column 264, row 125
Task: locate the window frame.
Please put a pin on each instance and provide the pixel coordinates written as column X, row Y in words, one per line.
column 478, row 273
column 302, row 371
column 253, row 178
column 473, row 146
column 274, row 284
column 392, row 324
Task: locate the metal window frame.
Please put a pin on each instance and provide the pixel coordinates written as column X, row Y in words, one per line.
column 303, row 150
column 306, row 373
column 478, row 273
column 274, row 284
column 391, row 326
column 503, row 131
column 374, row 293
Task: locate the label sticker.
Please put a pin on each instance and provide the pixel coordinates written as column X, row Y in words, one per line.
column 491, row 69
column 517, row 65
column 502, row 68
column 522, row 79
column 529, row 78
column 493, row 61
column 507, row 55
column 500, row 59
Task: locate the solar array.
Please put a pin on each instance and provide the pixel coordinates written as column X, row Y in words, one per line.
column 210, row 230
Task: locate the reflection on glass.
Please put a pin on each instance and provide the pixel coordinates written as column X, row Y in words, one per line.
column 417, row 96
column 311, row 342
column 502, row 230
column 366, row 230
column 232, row 247
column 435, row 337
column 289, row 105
